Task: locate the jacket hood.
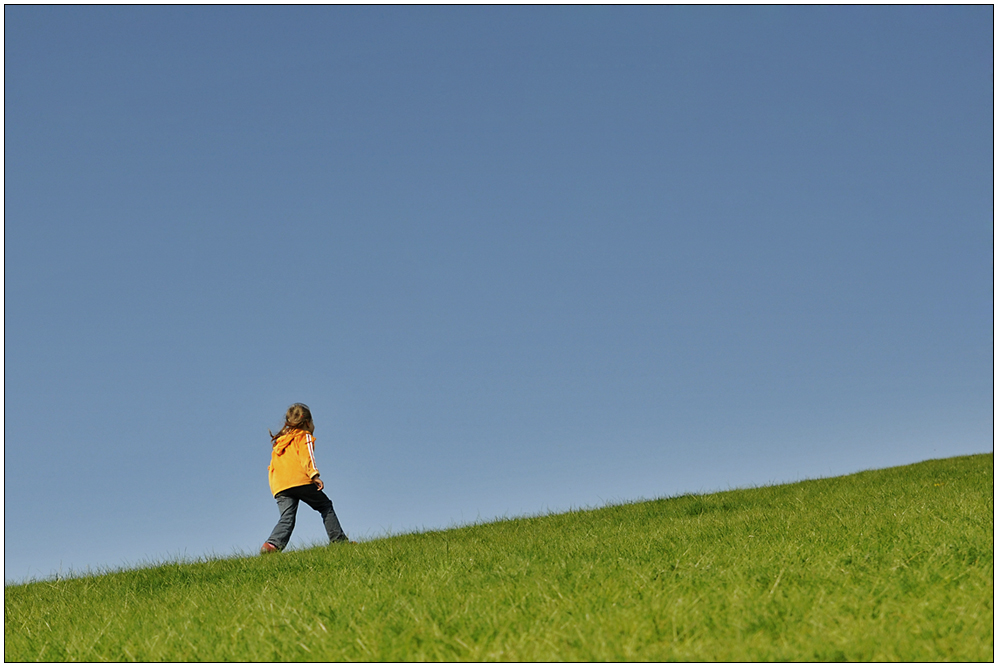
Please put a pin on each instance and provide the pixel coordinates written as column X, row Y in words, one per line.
column 285, row 440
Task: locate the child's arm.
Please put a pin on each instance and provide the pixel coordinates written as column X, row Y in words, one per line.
column 307, row 458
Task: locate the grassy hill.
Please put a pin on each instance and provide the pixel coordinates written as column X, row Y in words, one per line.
column 894, row 564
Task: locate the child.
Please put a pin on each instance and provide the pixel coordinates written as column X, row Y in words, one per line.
column 294, row 478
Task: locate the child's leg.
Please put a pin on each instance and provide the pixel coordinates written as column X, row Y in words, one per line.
column 321, row 503
column 288, row 505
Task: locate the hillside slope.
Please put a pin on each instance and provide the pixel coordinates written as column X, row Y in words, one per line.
column 894, row 564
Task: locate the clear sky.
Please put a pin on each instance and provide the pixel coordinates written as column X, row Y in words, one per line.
column 515, row 259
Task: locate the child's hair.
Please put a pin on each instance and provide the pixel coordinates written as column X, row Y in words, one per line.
column 297, row 417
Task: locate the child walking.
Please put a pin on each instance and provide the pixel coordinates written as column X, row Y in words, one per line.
column 294, row 478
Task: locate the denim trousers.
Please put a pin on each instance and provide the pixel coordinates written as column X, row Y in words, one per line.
column 287, row 503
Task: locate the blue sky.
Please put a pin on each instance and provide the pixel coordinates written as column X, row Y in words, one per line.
column 516, row 259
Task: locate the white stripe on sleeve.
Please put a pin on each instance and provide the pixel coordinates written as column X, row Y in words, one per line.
column 311, row 450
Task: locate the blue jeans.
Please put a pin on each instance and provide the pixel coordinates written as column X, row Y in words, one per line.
column 287, row 503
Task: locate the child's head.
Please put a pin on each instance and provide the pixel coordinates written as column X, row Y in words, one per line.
column 298, row 416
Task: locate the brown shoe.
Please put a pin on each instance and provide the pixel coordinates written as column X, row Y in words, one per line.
column 268, row 548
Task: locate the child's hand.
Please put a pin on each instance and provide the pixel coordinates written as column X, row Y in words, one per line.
column 318, row 483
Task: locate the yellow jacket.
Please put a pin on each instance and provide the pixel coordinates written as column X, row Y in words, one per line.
column 292, row 461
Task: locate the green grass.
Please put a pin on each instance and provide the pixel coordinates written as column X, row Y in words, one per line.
column 894, row 564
